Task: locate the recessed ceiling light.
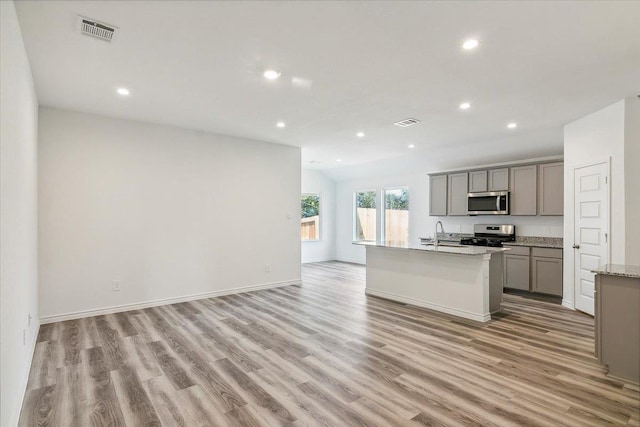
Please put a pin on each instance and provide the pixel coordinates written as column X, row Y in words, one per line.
column 465, row 106
column 280, row 124
column 123, row 91
column 271, row 74
column 360, row 134
column 411, row 146
column 470, row 44
column 512, row 125
column 338, row 160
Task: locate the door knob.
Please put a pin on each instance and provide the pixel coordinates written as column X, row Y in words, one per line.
column 576, row 246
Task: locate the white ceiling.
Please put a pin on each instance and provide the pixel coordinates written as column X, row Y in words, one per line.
column 199, row 65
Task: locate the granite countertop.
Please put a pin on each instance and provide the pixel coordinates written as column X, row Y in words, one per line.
column 448, row 237
column 538, row 242
column 631, row 271
column 455, row 250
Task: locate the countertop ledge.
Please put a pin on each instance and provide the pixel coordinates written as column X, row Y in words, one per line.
column 537, row 242
column 631, row 271
column 455, row 250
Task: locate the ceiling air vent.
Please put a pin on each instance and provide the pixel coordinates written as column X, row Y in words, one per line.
column 96, row 29
column 407, row 122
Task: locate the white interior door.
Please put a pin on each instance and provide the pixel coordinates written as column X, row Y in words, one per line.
column 591, row 232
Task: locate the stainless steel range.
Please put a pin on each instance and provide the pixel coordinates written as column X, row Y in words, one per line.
column 490, row 235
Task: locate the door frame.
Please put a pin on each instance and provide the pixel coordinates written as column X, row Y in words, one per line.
column 573, row 231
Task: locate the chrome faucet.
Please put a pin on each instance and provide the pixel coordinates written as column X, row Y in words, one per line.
column 435, row 235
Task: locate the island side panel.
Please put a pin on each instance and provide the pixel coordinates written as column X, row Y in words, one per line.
column 496, row 283
column 450, row 283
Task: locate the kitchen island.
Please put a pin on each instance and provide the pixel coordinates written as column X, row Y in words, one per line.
column 463, row 281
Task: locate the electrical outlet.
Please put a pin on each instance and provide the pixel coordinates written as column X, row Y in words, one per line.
column 267, row 268
column 115, row 286
column 546, row 231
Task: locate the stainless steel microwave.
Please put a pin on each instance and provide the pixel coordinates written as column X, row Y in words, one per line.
column 490, row 203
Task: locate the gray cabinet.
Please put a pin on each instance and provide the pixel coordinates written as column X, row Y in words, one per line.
column 533, row 269
column 498, row 179
column 551, row 189
column 523, row 183
column 618, row 325
column 517, row 268
column 535, row 189
column 546, row 269
column 457, row 194
column 438, row 195
column 477, row 181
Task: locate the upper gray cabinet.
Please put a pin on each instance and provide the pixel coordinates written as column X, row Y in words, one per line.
column 551, row 189
column 438, row 195
column 457, row 193
column 536, row 189
column 498, row 179
column 523, row 184
column 477, row 181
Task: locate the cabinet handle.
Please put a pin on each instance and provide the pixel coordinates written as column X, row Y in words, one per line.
column 576, row 246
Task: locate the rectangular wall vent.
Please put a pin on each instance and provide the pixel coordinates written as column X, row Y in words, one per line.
column 407, row 122
column 95, row 29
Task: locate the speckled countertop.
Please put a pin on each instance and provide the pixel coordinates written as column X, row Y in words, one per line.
column 443, row 249
column 448, row 237
column 538, row 242
column 631, row 271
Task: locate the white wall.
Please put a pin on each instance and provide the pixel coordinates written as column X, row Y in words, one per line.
column 18, row 216
column 420, row 223
column 325, row 248
column 170, row 213
column 595, row 138
column 632, row 179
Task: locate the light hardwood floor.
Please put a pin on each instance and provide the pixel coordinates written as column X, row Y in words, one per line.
column 323, row 354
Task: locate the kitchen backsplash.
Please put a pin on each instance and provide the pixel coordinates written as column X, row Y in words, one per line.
column 525, row 226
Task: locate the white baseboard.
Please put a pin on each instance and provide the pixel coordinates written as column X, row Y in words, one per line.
column 568, row 304
column 15, row 418
column 352, row 261
column 318, row 260
column 164, row 301
column 424, row 304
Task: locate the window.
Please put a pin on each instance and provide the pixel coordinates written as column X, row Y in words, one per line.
column 396, row 216
column 310, row 217
column 365, row 216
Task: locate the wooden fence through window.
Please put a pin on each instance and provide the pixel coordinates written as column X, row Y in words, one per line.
column 310, row 228
column 396, row 225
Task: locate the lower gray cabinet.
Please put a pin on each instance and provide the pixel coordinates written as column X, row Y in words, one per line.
column 546, row 269
column 533, row 269
column 516, row 272
column 618, row 325
column 517, row 268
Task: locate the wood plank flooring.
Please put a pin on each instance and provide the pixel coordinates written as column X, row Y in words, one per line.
column 323, row 354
